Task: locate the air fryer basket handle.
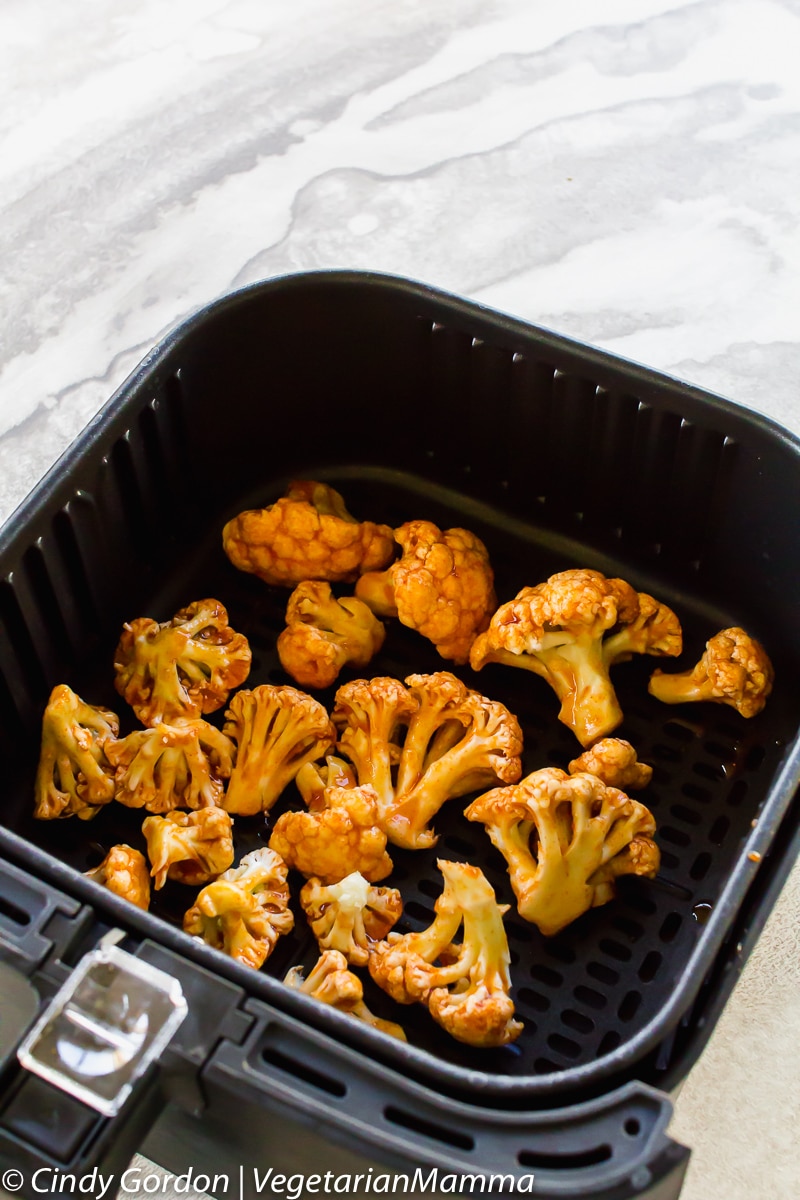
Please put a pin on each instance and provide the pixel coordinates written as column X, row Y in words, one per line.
column 608, row 1148
column 42, row 1128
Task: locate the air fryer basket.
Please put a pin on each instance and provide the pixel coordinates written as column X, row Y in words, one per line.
column 414, row 404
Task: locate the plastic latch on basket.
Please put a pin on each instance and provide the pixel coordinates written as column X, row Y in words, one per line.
column 113, row 1017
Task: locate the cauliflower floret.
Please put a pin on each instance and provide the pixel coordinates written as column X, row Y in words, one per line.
column 189, row 847
column 172, row 766
column 565, row 838
column 456, row 742
column 244, row 912
column 332, row 983
column 614, row 761
column 124, row 872
column 307, row 534
column 655, row 630
column 733, row 670
column 180, row 668
column 350, row 916
column 277, row 730
column 443, row 586
column 74, row 777
column 465, row 986
column 371, row 715
column 336, row 840
column 324, row 634
column 557, row 629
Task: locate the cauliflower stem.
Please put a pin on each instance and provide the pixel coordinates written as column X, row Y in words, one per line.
column 734, row 670
column 558, row 631
column 456, row 741
column 74, row 776
column 560, row 835
column 465, row 986
column 277, row 731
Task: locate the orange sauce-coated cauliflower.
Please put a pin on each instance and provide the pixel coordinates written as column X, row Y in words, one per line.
column 615, row 762
column 558, row 631
column 336, row 840
column 124, row 872
column 74, row 777
column 189, row 847
column 245, row 911
column 456, row 741
column 331, row 982
column 172, row 766
column 277, row 730
column 350, row 916
column 324, row 634
column 443, row 586
column 464, row 985
column 180, row 668
column 565, row 839
column 371, row 716
column 734, row 670
column 307, row 534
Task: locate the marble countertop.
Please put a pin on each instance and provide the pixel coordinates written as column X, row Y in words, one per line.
column 627, row 174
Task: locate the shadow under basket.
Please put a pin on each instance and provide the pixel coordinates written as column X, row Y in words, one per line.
column 414, row 404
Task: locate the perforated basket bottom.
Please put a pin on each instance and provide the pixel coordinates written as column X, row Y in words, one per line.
column 583, row 993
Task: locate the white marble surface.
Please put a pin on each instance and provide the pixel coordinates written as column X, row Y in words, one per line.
column 627, row 173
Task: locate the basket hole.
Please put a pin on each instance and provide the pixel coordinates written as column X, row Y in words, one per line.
column 665, row 753
column 695, row 792
column 649, row 968
column 450, row 1137
column 636, row 899
column 754, row 758
column 602, row 973
column 669, row 860
column 631, row 929
column 429, row 887
column 670, row 926
column 615, row 950
column 707, row 771
column 520, row 933
column 675, row 837
column 716, row 833
column 679, row 731
column 632, row 1127
column 561, row 952
column 682, row 813
column 13, row 913
column 629, row 1006
column 580, row 1160
column 609, row 1042
column 419, row 912
column 737, row 793
column 533, row 999
column 719, row 750
column 563, row 1045
column 304, row 1072
column 590, row 997
column 577, row 1021
column 546, row 975
column 699, row 868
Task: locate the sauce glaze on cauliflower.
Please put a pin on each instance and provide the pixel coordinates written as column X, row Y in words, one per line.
column 306, row 534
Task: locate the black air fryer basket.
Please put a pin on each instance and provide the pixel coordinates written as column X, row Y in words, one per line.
column 412, row 404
